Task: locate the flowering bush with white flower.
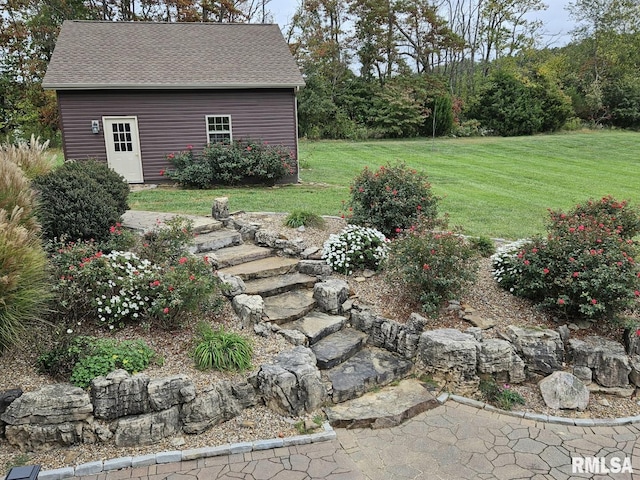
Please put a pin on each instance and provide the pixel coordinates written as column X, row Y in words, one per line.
column 355, row 248
column 505, row 264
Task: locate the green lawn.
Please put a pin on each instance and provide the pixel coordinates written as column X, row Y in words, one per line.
column 499, row 187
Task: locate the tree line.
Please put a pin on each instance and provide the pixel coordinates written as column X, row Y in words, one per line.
column 382, row 68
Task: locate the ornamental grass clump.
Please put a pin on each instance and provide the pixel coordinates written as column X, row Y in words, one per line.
column 433, row 264
column 355, row 248
column 222, row 350
column 391, row 199
column 586, row 266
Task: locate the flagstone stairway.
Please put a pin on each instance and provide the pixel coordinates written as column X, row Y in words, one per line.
column 353, row 372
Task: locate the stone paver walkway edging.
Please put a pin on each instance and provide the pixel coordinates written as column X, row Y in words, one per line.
column 540, row 417
column 94, row 468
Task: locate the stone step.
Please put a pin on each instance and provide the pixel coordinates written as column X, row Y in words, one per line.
column 289, row 306
column 270, row 286
column 213, row 241
column 248, row 252
column 265, row 267
column 386, row 408
column 367, row 369
column 338, row 347
column 317, row 325
column 143, row 221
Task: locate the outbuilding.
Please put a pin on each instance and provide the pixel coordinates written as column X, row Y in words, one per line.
column 130, row 93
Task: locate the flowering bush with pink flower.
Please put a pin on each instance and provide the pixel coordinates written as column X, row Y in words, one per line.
column 433, row 263
column 390, row 199
column 241, row 161
column 586, row 266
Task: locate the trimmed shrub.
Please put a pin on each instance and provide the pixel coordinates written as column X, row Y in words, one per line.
column 80, row 200
column 355, row 248
column 241, row 161
column 585, row 268
column 391, row 199
column 433, row 265
column 222, row 350
column 168, row 242
column 24, row 290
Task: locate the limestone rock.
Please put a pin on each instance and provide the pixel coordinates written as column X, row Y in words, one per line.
column 220, row 208
column 166, row 392
column 330, row 294
column 479, row 321
column 632, row 341
column 450, row 353
column 147, row 429
column 583, row 373
column 232, row 284
column 607, row 359
column 318, row 268
column 223, row 402
column 542, row 350
column 7, row 397
column 562, row 390
column 249, row 308
column 499, row 358
column 292, row 384
column 50, row 405
column 634, row 376
column 119, row 394
column 391, row 335
column 294, row 337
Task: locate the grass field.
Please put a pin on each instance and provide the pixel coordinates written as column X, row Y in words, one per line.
column 498, row 187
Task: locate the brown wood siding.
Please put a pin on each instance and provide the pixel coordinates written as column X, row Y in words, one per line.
column 168, row 121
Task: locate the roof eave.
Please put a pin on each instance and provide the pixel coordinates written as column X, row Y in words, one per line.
column 111, row 86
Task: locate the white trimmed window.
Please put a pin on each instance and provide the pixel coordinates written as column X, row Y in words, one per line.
column 218, row 128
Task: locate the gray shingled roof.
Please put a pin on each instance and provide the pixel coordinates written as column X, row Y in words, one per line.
column 119, row 55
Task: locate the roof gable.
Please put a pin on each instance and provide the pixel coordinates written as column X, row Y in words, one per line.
column 136, row 55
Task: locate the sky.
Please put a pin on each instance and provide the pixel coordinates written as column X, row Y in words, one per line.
column 557, row 24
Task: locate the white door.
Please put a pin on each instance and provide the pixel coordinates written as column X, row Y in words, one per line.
column 123, row 147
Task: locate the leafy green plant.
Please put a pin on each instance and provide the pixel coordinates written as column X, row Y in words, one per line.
column 586, row 266
column 390, row 199
column 18, row 460
column 433, row 265
column 299, row 218
column 483, row 245
column 221, row 350
column 80, row 200
column 355, row 248
column 81, row 359
column 501, row 396
column 232, row 163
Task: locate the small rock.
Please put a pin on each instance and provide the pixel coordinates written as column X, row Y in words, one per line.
column 359, row 279
column 71, row 457
column 177, row 442
column 310, row 425
column 262, row 329
column 623, row 392
column 301, row 228
column 563, row 330
column 368, row 273
column 604, row 402
column 247, row 424
column 476, row 332
column 478, row 321
column 573, row 326
column 468, row 308
column 562, row 390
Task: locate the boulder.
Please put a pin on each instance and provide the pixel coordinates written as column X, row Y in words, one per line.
column 232, row 285
column 57, row 414
column 147, row 429
column 7, row 397
column 634, row 376
column 330, row 294
column 632, row 341
column 541, row 349
column 607, row 359
column 318, row 268
column 220, row 208
column 562, row 390
column 249, row 308
column 167, row 392
column 119, row 394
column 223, row 402
column 389, row 334
column 499, row 358
column 449, row 353
column 583, row 373
column 292, row 384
